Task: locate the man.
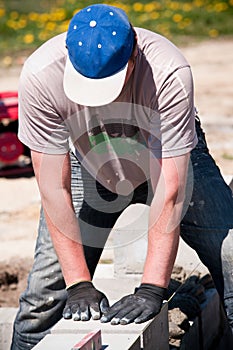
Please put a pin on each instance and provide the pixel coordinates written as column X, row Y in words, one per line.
column 108, row 113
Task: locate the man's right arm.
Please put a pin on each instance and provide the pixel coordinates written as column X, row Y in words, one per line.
column 53, row 176
column 54, row 180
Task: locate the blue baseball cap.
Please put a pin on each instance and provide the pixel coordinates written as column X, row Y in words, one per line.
column 99, row 41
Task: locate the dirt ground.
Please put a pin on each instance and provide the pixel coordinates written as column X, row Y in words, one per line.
column 212, row 66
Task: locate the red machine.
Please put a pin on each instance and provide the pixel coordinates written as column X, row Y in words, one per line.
column 14, row 156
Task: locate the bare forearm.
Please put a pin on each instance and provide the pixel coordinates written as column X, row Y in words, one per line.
column 54, row 181
column 169, row 181
column 162, row 247
column 160, row 260
column 69, row 250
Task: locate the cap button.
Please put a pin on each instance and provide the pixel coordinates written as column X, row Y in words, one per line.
column 92, row 24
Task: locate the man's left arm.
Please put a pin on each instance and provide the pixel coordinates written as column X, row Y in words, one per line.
column 164, row 221
column 169, row 181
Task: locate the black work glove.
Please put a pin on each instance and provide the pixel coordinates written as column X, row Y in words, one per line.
column 84, row 302
column 139, row 307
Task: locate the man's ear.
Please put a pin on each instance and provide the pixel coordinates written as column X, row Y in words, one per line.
column 135, row 49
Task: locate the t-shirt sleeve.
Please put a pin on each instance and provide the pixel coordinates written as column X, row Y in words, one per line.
column 172, row 126
column 41, row 128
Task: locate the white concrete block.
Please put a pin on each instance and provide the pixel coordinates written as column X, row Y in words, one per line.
column 76, row 327
column 154, row 334
column 109, row 342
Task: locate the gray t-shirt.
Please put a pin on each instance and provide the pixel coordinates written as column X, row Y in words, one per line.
column 153, row 116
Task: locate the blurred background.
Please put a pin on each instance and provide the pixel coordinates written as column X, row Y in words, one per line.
column 25, row 24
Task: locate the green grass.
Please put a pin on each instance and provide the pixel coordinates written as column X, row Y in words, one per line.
column 26, row 24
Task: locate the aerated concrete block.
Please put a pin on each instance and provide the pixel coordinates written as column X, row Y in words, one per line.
column 7, row 317
column 79, row 327
column 109, row 342
column 154, row 334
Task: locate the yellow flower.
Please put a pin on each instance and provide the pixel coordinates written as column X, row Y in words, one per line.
column 173, row 5
column 149, row 7
column 221, row 6
column 44, row 17
column 177, row 17
column 157, row 5
column 187, row 21
column 154, row 15
column 163, row 28
column 40, row 24
column 187, row 7
column 63, row 26
column 2, row 12
column 167, row 13
column 50, row 26
column 58, row 14
column 14, row 15
column 28, row 38
column 33, row 16
column 137, row 7
column 124, row 7
column 143, row 17
column 213, row 33
column 21, row 23
column 11, row 24
column 198, row 3
column 43, row 36
column 181, row 25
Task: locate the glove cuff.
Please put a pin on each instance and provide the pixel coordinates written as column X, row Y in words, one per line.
column 79, row 284
column 151, row 290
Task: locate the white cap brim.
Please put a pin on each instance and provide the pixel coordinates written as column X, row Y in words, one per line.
column 92, row 92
